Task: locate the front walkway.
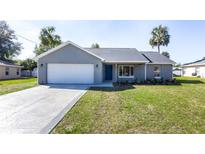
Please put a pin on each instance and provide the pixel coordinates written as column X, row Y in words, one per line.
column 38, row 109
column 105, row 84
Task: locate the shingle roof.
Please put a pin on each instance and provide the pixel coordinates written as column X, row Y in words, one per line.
column 198, row 62
column 156, row 58
column 118, row 54
column 6, row 63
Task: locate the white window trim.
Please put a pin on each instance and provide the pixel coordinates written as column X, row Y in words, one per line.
column 7, row 69
column 125, row 76
column 157, row 72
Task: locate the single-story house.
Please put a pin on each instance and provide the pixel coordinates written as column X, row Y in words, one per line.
column 9, row 70
column 196, row 68
column 69, row 63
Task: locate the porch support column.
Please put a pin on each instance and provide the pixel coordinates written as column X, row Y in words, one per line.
column 145, row 71
column 116, row 72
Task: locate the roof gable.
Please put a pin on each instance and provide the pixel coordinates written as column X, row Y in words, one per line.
column 157, row 58
column 63, row 45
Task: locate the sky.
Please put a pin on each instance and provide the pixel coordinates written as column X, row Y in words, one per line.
column 187, row 42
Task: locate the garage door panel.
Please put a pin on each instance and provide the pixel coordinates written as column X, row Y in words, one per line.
column 70, row 73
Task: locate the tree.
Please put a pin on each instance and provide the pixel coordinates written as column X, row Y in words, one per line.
column 48, row 40
column 160, row 37
column 178, row 65
column 166, row 54
column 28, row 64
column 95, row 45
column 9, row 47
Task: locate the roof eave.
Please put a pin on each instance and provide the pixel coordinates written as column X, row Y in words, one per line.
column 193, row 65
column 11, row 65
column 138, row 62
column 162, row 63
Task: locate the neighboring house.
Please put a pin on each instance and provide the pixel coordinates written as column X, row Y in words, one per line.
column 177, row 71
column 196, row 68
column 9, row 70
column 70, row 63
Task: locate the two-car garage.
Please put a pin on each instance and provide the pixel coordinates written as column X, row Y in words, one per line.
column 70, row 73
column 69, row 64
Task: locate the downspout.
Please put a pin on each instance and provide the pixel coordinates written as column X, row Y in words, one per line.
column 145, row 75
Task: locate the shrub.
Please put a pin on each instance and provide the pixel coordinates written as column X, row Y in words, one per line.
column 194, row 74
column 148, row 81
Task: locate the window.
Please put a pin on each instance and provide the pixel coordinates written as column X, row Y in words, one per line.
column 7, row 71
column 17, row 71
column 156, row 72
column 126, row 71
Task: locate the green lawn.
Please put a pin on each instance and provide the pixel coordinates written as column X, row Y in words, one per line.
column 8, row 86
column 139, row 109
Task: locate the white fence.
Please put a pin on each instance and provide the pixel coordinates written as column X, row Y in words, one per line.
column 28, row 73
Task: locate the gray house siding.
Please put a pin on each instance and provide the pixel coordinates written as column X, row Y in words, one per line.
column 12, row 72
column 70, row 55
column 165, row 71
column 139, row 73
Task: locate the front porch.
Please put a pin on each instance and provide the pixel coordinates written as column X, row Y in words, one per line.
column 126, row 72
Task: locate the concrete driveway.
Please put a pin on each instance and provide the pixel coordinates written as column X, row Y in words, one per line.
column 38, row 109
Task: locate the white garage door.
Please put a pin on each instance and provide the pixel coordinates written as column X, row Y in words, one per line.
column 70, row 73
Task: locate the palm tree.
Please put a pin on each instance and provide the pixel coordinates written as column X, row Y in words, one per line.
column 160, row 36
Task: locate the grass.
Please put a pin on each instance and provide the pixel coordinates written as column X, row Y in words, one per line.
column 13, row 85
column 139, row 109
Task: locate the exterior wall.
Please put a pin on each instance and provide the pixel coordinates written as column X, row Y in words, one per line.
column 139, row 73
column 177, row 72
column 70, row 55
column 165, row 71
column 188, row 71
column 12, row 72
column 202, row 71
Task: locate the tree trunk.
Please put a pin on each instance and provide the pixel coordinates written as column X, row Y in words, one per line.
column 158, row 48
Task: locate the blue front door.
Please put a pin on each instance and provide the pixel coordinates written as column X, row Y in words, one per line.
column 108, row 72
